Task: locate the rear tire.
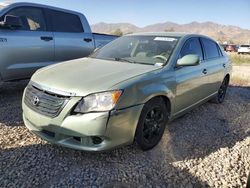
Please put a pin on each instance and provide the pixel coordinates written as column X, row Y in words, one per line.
column 221, row 92
column 248, row 181
column 152, row 123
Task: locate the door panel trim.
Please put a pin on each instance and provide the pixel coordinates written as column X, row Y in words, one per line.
column 29, row 65
column 194, row 104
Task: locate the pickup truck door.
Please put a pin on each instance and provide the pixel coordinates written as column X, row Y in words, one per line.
column 27, row 48
column 190, row 80
column 71, row 42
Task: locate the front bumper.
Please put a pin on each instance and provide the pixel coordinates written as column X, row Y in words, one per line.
column 89, row 132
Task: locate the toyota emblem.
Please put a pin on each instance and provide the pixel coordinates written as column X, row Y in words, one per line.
column 35, row 100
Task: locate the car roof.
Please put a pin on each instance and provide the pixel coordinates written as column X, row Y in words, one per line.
column 172, row 34
column 169, row 34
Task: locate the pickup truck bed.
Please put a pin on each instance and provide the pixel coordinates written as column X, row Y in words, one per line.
column 102, row 39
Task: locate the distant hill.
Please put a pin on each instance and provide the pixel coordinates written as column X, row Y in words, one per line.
column 221, row 33
column 4, row 4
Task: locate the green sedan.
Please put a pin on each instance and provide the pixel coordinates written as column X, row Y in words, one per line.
column 126, row 91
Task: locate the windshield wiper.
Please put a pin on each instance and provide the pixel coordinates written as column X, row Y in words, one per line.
column 130, row 61
column 123, row 60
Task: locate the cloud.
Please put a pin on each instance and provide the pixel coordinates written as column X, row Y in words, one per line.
column 5, row 3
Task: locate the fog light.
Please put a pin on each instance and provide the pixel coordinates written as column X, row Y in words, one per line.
column 96, row 140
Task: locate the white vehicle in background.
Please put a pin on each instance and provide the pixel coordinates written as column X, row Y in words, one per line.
column 244, row 49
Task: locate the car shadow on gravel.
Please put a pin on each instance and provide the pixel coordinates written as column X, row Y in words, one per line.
column 199, row 133
column 10, row 102
column 210, row 127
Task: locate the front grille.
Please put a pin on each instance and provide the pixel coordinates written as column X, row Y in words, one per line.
column 43, row 102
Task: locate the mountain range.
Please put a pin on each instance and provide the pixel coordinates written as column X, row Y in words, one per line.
column 219, row 32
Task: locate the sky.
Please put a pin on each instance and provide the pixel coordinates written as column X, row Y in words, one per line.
column 146, row 12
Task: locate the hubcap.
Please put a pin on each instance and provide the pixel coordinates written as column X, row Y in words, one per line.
column 153, row 124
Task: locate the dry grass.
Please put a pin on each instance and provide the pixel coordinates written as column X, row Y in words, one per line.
column 241, row 75
column 241, row 69
column 239, row 81
column 239, row 59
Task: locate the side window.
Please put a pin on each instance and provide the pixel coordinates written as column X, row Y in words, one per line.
column 192, row 46
column 32, row 18
column 219, row 49
column 65, row 22
column 210, row 48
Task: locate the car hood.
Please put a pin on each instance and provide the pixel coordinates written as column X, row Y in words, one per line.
column 87, row 75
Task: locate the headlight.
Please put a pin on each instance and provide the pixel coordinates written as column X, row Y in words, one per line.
column 98, row 102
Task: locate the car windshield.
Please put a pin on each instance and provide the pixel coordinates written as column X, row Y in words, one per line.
column 150, row 50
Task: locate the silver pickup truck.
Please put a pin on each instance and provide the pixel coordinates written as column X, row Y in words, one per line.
column 33, row 36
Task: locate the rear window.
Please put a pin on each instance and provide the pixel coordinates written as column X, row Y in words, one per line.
column 210, row 48
column 65, row 22
column 245, row 46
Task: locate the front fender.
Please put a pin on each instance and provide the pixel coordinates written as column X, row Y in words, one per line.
column 154, row 90
column 142, row 89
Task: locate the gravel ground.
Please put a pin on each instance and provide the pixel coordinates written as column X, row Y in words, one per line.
column 208, row 147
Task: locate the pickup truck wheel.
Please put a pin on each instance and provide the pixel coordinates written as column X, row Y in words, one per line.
column 151, row 124
column 221, row 92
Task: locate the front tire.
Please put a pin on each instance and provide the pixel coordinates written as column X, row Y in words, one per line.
column 152, row 123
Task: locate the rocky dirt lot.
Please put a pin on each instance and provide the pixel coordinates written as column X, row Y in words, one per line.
column 208, row 147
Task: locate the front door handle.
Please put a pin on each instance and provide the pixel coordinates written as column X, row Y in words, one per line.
column 204, row 71
column 44, row 38
column 87, row 39
column 224, row 65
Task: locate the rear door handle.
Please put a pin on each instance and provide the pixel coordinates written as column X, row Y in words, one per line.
column 204, row 71
column 87, row 39
column 46, row 38
column 224, row 65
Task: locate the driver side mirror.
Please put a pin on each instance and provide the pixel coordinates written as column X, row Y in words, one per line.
column 12, row 21
column 189, row 60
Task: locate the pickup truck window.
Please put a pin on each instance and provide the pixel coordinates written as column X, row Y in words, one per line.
column 32, row 18
column 150, row 50
column 192, row 46
column 65, row 22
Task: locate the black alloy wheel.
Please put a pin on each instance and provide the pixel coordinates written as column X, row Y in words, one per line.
column 151, row 124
